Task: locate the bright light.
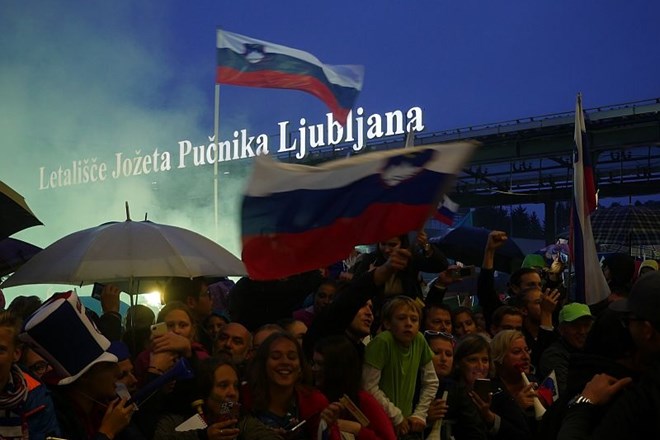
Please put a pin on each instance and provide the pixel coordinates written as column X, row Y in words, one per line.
column 151, row 299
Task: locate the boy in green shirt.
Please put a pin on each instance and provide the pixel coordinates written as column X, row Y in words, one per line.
column 392, row 362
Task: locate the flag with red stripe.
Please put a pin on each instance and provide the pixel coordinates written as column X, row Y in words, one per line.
column 590, row 283
column 446, row 211
column 245, row 61
column 297, row 218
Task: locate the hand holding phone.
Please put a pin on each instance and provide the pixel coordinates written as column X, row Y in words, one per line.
column 158, row 329
column 97, row 291
column 463, row 272
column 229, row 410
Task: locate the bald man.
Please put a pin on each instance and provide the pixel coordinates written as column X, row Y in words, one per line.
column 234, row 340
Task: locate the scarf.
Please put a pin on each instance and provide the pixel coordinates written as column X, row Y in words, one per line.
column 16, row 390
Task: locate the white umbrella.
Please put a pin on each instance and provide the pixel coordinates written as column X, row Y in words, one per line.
column 131, row 254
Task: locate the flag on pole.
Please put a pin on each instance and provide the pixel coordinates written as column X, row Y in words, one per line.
column 590, row 283
column 446, row 211
column 245, row 61
column 297, row 218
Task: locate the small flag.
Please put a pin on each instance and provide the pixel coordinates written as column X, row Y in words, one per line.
column 245, row 61
column 297, row 218
column 548, row 391
column 446, row 211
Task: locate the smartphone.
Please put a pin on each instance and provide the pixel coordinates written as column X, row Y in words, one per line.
column 97, row 290
column 482, row 389
column 122, row 391
column 229, row 410
column 159, row 329
column 467, row 271
column 463, row 272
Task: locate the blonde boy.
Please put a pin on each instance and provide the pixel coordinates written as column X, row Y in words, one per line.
column 391, row 364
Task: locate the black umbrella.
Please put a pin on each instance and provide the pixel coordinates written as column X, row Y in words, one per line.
column 466, row 244
column 13, row 253
column 15, row 215
column 626, row 226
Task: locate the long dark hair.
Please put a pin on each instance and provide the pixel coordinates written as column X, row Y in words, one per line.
column 258, row 377
column 342, row 369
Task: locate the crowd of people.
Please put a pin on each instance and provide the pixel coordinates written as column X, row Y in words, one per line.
column 361, row 352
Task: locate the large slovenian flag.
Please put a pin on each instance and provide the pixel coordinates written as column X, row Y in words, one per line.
column 590, row 283
column 245, row 61
column 297, row 218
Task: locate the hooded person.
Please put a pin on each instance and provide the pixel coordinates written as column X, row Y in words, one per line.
column 84, row 375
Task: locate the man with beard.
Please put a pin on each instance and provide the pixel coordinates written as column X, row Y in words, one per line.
column 235, row 341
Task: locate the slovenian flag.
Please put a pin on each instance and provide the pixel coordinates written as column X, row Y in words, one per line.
column 548, row 391
column 297, row 218
column 245, row 61
column 583, row 247
column 446, row 211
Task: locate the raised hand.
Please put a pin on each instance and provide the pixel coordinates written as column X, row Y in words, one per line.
column 602, row 387
column 172, row 342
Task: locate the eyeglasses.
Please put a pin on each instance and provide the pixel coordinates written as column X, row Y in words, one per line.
column 430, row 334
column 39, row 367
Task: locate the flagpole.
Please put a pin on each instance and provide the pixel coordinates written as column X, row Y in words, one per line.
column 571, row 224
column 216, row 126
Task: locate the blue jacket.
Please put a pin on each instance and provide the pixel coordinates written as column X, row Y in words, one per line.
column 37, row 411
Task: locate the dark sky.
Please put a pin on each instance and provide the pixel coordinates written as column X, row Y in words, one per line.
column 87, row 80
